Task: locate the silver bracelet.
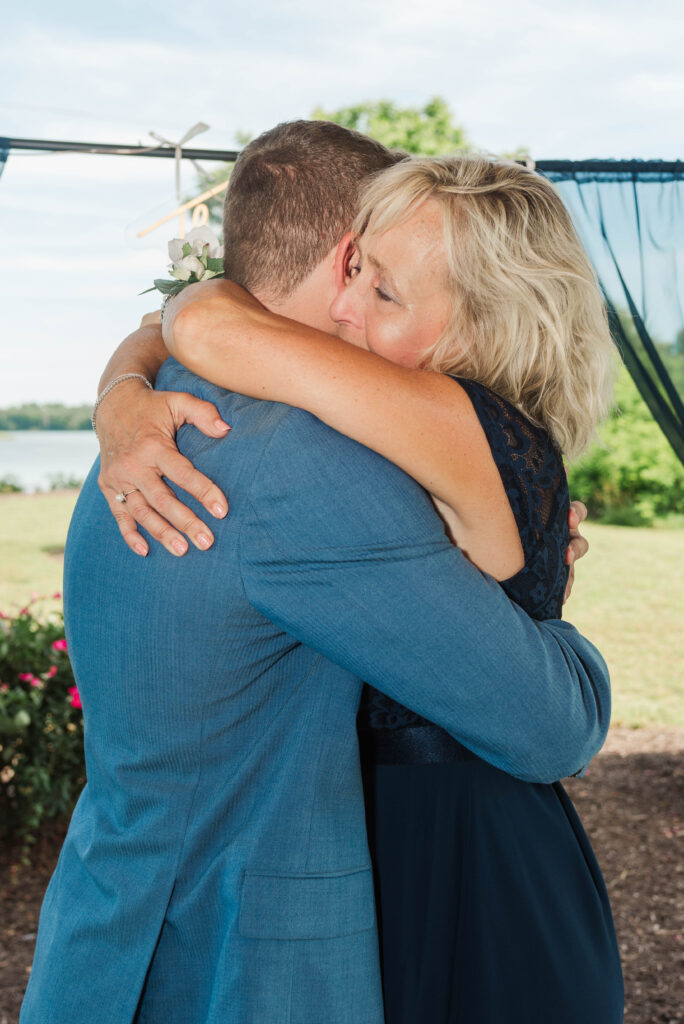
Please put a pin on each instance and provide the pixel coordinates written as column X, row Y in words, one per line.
column 110, row 387
column 162, row 308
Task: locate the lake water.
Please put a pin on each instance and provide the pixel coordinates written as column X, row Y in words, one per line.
column 35, row 458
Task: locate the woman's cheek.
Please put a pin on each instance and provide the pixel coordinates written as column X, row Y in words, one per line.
column 397, row 339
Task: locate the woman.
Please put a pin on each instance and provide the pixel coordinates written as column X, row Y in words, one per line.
column 491, row 904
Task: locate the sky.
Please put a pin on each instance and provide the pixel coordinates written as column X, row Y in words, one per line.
column 576, row 81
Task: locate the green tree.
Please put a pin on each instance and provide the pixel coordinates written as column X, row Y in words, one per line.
column 53, row 416
column 429, row 130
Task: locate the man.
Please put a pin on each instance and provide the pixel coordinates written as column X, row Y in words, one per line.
column 216, row 867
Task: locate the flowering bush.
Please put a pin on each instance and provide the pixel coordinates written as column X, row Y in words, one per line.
column 41, row 726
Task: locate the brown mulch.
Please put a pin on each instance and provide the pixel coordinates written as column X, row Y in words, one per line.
column 632, row 805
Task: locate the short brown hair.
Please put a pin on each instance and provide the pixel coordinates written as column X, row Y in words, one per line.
column 293, row 193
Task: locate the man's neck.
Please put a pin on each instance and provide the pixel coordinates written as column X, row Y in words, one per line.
column 310, row 301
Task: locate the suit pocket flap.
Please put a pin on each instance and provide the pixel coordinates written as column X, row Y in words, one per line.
column 306, row 906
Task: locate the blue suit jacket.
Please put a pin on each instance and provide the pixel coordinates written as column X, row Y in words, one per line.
column 216, row 868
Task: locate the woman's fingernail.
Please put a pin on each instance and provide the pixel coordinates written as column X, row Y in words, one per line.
column 219, row 510
column 220, row 425
column 141, row 548
column 204, row 541
column 179, row 546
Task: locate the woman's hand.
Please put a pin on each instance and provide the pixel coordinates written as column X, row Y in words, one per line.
column 578, row 546
column 137, row 432
column 151, row 319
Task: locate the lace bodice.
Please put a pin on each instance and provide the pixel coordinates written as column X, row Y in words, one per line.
column 533, row 476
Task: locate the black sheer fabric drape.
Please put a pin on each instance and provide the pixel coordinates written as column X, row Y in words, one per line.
column 4, row 153
column 631, row 221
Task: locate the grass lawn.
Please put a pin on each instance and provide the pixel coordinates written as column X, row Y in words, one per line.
column 628, row 598
column 33, row 529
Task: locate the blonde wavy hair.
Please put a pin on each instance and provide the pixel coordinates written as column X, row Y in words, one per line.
column 528, row 319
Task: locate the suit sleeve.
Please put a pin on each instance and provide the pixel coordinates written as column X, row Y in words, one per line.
column 345, row 553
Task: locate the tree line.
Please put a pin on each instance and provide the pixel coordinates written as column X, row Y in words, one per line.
column 51, row 416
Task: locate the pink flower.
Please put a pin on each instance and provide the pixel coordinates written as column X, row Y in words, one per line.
column 56, row 596
column 28, row 677
column 75, row 697
column 51, row 672
column 4, row 687
column 24, row 611
column 59, row 645
column 4, row 615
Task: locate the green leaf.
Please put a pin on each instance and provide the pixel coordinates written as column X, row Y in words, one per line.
column 187, row 249
column 7, row 728
column 167, row 287
column 215, row 264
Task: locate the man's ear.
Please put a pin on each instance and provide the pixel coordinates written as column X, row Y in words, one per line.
column 342, row 261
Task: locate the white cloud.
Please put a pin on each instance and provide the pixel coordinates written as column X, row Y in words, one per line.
column 599, row 78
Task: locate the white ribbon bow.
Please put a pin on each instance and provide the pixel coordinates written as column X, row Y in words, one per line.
column 196, row 129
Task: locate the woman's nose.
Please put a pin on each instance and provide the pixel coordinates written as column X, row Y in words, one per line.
column 345, row 307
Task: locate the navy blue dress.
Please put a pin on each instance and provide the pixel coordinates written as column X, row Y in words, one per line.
column 491, row 904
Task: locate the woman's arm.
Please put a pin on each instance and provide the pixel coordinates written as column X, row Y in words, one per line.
column 141, row 352
column 422, row 421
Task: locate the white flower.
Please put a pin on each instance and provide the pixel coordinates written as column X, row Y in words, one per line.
column 180, row 272
column 176, row 250
column 198, row 238
column 189, row 258
column 200, row 242
column 190, row 265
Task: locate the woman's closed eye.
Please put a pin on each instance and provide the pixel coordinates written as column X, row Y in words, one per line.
column 353, row 269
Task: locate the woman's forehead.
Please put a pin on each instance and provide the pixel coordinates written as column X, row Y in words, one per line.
column 412, row 252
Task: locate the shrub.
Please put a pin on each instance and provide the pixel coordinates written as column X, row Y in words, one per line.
column 65, row 482
column 10, row 485
column 41, row 726
column 632, row 477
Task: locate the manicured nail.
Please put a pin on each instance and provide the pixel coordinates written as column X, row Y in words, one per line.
column 141, row 548
column 219, row 510
column 179, row 546
column 204, row 541
column 221, row 425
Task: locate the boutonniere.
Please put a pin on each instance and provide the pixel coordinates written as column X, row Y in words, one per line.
column 197, row 257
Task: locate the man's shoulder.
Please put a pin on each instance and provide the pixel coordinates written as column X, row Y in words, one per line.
column 173, row 376
column 285, row 432
column 295, row 459
column 312, row 481
column 250, row 413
